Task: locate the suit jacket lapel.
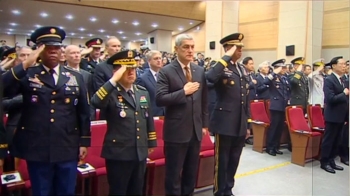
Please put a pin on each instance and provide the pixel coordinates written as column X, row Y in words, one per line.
column 62, row 78
column 45, row 76
column 125, row 95
column 151, row 78
column 233, row 68
column 180, row 72
column 137, row 97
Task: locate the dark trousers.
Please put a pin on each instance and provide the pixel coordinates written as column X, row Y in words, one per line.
column 228, row 151
column 53, row 178
column 125, row 177
column 330, row 142
column 181, row 166
column 344, row 144
column 275, row 131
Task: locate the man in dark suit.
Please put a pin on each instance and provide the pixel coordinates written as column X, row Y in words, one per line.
column 73, row 57
column 130, row 135
column 182, row 90
column 344, row 144
column 229, row 120
column 54, row 130
column 149, row 80
column 90, row 62
column 3, row 143
column 299, row 85
column 262, row 90
column 336, row 108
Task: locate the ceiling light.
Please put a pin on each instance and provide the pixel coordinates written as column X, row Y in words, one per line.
column 101, row 30
column 181, row 28
column 32, row 31
column 93, row 19
column 120, row 32
column 16, row 12
column 13, row 24
column 81, row 29
column 8, row 33
column 115, row 21
column 198, row 28
column 135, row 23
column 81, row 37
column 90, row 35
column 191, row 23
column 123, row 37
column 137, row 33
column 72, row 33
column 107, row 36
column 28, row 34
column 43, row 14
column 61, row 27
column 69, row 17
column 37, row 26
column 10, row 29
column 154, row 25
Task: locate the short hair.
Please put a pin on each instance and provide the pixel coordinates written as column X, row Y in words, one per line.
column 181, row 37
column 151, row 53
column 263, row 64
column 307, row 66
column 110, row 38
column 20, row 48
column 246, row 60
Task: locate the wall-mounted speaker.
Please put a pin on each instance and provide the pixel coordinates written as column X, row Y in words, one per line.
column 151, row 40
column 290, row 50
column 212, row 45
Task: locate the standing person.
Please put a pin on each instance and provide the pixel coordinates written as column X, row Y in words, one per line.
column 182, row 89
column 3, row 143
column 229, row 120
column 335, row 112
column 130, row 133
column 54, row 129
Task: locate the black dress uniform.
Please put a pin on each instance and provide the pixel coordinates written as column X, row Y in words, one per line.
column 55, row 119
column 299, row 86
column 88, row 63
column 3, row 143
column 229, row 119
column 130, row 130
column 279, row 96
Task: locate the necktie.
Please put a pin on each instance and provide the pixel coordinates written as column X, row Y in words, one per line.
column 155, row 76
column 130, row 95
column 342, row 81
column 52, row 72
column 188, row 74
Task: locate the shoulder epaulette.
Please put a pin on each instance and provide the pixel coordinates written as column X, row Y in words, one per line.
column 141, row 87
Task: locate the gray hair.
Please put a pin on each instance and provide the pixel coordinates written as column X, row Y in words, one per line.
column 110, row 38
column 263, row 64
column 181, row 37
column 151, row 53
column 20, row 48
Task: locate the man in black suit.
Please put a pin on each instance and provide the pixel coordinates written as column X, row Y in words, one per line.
column 130, row 135
column 262, row 90
column 335, row 112
column 182, row 89
column 229, row 121
column 73, row 57
column 54, row 130
column 149, row 80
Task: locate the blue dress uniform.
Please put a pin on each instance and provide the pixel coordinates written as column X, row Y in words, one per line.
column 279, row 96
column 229, row 119
column 299, row 86
column 88, row 63
column 336, row 111
column 130, row 130
column 55, row 121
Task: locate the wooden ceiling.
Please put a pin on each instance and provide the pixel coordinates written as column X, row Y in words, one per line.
column 194, row 10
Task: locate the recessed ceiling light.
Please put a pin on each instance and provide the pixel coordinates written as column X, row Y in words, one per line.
column 120, row 32
column 13, row 24
column 81, row 37
column 191, row 23
column 124, row 37
column 198, row 28
column 8, row 33
column 32, row 31
column 10, row 29
column 44, row 14
column 81, row 29
column 37, row 26
column 181, row 28
column 154, row 25
column 16, row 12
column 115, row 21
column 28, row 34
column 93, row 19
column 101, row 30
column 69, row 17
column 72, row 33
column 61, row 27
column 137, row 33
column 135, row 23
column 90, row 35
column 107, row 36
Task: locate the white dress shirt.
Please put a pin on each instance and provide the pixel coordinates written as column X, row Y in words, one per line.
column 183, row 67
column 154, row 74
column 56, row 74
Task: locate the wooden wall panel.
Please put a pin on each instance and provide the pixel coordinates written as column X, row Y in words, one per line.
column 251, row 11
column 335, row 5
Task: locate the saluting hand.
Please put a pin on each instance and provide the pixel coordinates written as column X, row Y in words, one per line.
column 277, row 70
column 82, row 153
column 33, row 57
column 119, row 73
column 300, row 68
column 231, row 51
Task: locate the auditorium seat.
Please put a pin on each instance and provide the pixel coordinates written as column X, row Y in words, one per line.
column 316, row 119
column 205, row 174
column 156, row 164
column 305, row 143
column 98, row 114
column 4, row 118
column 260, row 124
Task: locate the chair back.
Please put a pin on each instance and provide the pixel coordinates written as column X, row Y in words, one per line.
column 258, row 111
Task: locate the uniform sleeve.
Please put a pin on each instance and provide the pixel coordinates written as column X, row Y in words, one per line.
column 11, row 80
column 205, row 112
column 98, row 77
column 215, row 72
column 100, row 98
column 163, row 96
column 294, row 79
column 3, row 144
column 84, row 114
column 151, row 131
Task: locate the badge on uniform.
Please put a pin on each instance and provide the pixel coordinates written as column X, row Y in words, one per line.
column 120, row 98
column 67, row 100
column 277, row 86
column 224, row 81
column 232, row 82
column 299, row 84
column 246, row 86
column 34, row 99
column 75, row 101
column 72, row 80
column 146, row 114
column 143, row 99
column 35, row 80
column 122, row 114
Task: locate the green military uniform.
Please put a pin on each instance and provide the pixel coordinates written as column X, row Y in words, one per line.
column 299, row 86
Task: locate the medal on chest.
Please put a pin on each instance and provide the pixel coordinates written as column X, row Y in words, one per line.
column 121, row 103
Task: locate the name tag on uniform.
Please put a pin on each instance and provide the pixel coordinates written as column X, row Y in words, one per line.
column 35, row 85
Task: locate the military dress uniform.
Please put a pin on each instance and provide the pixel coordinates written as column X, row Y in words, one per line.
column 299, row 86
column 130, row 130
column 88, row 63
column 229, row 119
column 55, row 120
column 279, row 95
column 3, row 143
column 316, row 83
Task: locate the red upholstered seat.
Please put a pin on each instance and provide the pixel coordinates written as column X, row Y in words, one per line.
column 315, row 115
column 97, row 114
column 260, row 124
column 205, row 173
column 258, row 111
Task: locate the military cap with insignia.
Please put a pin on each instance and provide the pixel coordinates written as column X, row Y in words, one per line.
column 11, row 53
column 299, row 61
column 318, row 62
column 49, row 35
column 126, row 58
column 335, row 60
column 347, row 62
column 94, row 43
column 328, row 66
column 233, row 39
column 279, row 63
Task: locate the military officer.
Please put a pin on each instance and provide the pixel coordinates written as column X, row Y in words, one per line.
column 54, row 129
column 279, row 96
column 90, row 62
column 316, row 82
column 299, row 85
column 130, row 134
column 3, row 144
column 229, row 120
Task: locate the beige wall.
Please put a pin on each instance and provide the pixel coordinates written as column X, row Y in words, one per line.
column 198, row 36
